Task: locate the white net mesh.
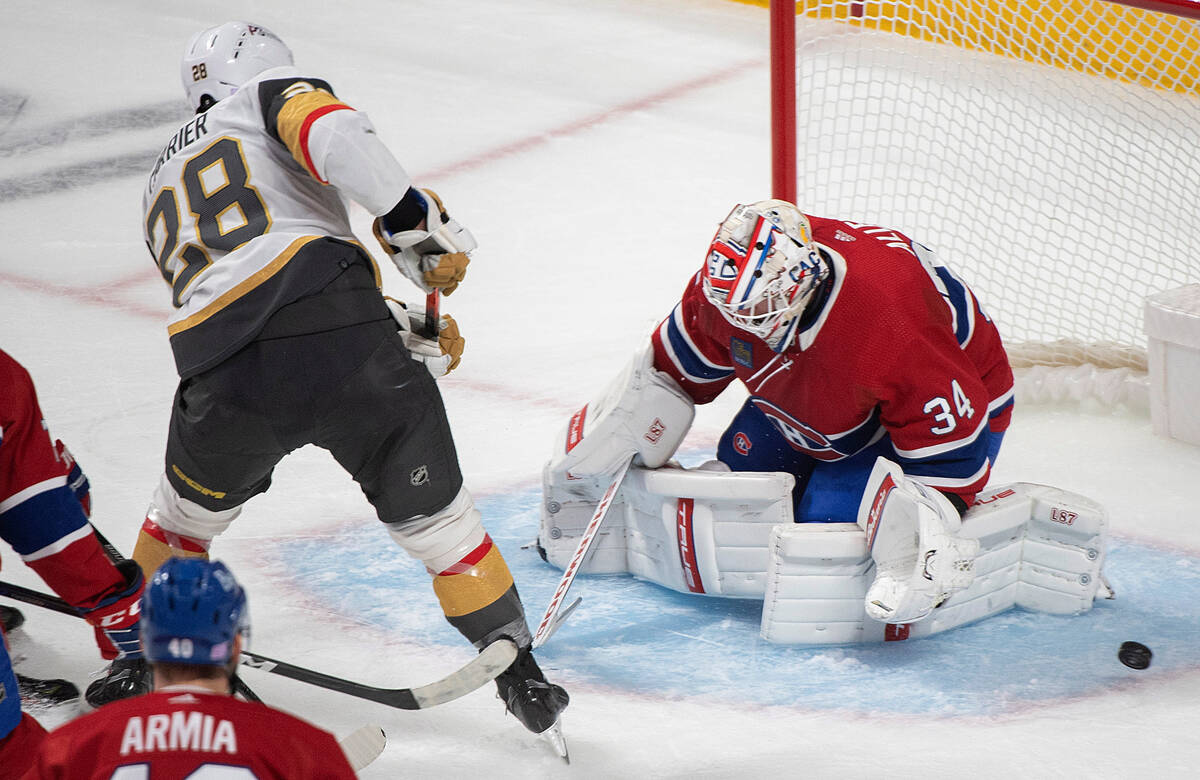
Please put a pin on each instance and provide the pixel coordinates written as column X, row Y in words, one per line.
column 1050, row 151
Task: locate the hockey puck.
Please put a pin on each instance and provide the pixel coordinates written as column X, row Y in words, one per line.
column 1135, row 655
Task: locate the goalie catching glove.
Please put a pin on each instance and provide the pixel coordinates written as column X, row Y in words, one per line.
column 441, row 356
column 912, row 533
column 434, row 258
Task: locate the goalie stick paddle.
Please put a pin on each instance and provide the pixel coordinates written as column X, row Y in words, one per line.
column 480, row 670
column 550, row 620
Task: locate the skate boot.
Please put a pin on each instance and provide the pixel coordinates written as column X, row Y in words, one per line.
column 10, row 618
column 125, row 677
column 42, row 694
column 526, row 694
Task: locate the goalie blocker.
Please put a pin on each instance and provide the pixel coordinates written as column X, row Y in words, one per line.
column 731, row 534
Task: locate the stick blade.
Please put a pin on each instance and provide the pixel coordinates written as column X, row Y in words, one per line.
column 363, row 745
column 482, row 669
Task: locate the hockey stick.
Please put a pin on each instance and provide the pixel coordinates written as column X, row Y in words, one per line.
column 481, row 669
column 550, row 620
column 363, row 745
column 433, row 305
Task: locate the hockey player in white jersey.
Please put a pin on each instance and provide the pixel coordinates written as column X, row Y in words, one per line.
column 282, row 337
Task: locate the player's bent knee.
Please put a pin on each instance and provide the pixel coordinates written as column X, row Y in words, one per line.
column 470, row 576
column 176, row 527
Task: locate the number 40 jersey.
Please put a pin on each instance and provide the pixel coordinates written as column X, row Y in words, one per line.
column 243, row 201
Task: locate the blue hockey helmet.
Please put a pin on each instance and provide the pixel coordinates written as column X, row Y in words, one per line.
column 191, row 612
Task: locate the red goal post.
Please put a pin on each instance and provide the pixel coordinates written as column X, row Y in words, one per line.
column 1048, row 149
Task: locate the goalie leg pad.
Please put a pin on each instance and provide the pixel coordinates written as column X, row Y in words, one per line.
column 1040, row 548
column 693, row 531
column 912, row 533
column 1064, row 551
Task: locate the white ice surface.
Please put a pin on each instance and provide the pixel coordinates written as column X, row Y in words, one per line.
column 591, row 147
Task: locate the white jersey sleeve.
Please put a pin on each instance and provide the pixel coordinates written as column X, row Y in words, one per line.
column 239, row 211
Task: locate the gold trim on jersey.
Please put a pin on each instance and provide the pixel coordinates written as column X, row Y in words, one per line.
column 295, row 117
column 248, row 284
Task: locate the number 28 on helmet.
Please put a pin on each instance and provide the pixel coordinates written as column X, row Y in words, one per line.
column 763, row 269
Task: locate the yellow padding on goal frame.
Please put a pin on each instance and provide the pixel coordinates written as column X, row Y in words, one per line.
column 1095, row 37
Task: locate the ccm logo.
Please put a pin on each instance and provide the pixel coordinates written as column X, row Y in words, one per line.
column 1063, row 516
column 121, row 616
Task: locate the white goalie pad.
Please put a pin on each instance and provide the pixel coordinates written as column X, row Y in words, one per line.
column 1040, row 548
column 690, row 530
column 642, row 412
column 913, row 538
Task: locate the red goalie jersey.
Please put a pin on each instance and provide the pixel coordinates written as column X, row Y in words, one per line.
column 179, row 732
column 895, row 345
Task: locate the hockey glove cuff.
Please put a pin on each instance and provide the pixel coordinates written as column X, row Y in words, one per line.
column 117, row 618
column 434, row 258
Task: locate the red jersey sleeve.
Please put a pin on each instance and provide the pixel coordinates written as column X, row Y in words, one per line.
column 692, row 346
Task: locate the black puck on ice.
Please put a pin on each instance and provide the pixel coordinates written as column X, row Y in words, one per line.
column 1135, row 655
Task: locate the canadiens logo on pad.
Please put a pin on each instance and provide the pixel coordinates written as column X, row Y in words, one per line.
column 742, row 352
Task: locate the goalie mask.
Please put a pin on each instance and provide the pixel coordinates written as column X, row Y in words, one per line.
column 762, row 270
column 220, row 59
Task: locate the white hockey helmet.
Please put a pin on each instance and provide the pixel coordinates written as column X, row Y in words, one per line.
column 763, row 268
column 220, row 59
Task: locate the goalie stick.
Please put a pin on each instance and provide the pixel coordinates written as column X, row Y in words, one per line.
column 550, row 620
column 480, row 670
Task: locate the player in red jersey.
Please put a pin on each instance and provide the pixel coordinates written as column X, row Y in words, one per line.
column 194, row 621
column 44, row 507
column 875, row 380
column 854, row 342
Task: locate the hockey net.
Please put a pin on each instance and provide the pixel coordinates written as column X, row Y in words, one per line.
column 1047, row 149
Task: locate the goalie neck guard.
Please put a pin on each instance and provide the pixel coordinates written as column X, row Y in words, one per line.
column 763, row 269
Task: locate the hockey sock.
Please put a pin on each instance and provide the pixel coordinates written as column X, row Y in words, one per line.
column 479, row 598
column 155, row 545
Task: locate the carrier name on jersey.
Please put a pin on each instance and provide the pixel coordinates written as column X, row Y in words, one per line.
column 195, row 731
column 186, row 135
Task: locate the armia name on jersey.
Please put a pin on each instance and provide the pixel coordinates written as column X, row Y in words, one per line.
column 195, row 731
column 184, row 137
